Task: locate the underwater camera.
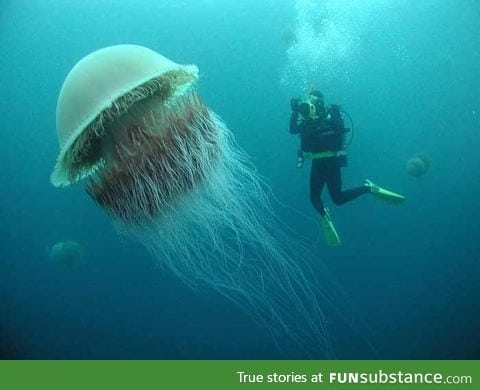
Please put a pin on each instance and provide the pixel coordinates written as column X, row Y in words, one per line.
column 305, row 107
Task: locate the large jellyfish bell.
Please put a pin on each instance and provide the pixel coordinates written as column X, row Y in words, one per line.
column 118, row 114
column 166, row 169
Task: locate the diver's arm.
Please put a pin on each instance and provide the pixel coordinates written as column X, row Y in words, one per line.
column 294, row 128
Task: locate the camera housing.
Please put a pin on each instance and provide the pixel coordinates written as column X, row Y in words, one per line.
column 306, row 109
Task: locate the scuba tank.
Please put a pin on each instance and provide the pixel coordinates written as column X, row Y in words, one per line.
column 336, row 115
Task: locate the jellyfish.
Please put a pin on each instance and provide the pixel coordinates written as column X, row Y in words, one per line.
column 289, row 36
column 168, row 172
column 67, row 254
column 418, row 165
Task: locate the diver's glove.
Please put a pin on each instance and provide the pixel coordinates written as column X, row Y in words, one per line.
column 294, row 105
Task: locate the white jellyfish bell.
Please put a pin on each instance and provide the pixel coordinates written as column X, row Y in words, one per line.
column 167, row 171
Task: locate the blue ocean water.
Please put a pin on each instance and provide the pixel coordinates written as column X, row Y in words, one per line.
column 407, row 73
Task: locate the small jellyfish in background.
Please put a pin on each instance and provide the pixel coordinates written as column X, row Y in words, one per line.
column 168, row 172
column 67, row 254
column 418, row 165
column 289, row 36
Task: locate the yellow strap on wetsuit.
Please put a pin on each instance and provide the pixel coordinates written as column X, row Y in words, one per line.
column 326, row 154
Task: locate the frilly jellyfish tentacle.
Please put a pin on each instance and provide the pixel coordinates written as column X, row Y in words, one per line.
column 222, row 235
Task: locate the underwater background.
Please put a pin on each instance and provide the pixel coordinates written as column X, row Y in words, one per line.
column 407, row 72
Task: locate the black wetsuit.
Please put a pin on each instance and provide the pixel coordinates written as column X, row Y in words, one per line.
column 322, row 134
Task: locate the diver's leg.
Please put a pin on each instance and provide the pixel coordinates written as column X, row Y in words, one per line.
column 318, row 177
column 334, row 184
column 317, row 182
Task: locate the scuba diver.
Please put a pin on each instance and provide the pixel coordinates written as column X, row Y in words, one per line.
column 323, row 140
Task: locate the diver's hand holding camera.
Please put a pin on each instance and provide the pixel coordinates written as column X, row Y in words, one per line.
column 294, row 103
